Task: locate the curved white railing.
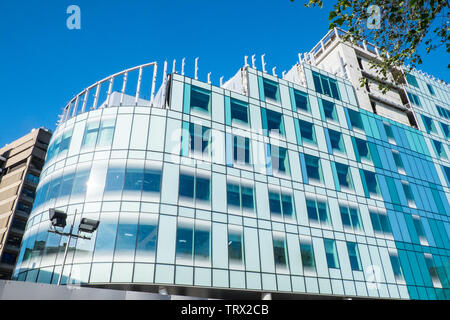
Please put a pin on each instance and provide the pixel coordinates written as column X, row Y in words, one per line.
column 82, row 102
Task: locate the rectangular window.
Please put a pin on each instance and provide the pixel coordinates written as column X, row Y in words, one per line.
column 329, row 110
column 114, row 179
column 65, row 141
column 307, row 132
column 271, row 90
column 279, row 160
column 152, row 180
column 380, row 222
column 241, row 150
column 420, row 230
column 412, row 80
column 443, row 112
column 431, row 89
column 363, row 149
column 199, row 139
column 280, row 253
column 185, row 239
column 408, row 194
column 429, row 125
column 313, row 169
column 445, row 130
column 307, row 253
column 336, row 141
column 200, row 100
column 106, row 133
column 355, row 119
column 318, row 211
column 331, row 253
column 353, row 253
column 235, row 248
column 194, row 187
column 344, row 175
column 66, row 185
column 389, row 132
column 432, row 270
column 240, row 196
column 301, row 101
column 371, row 183
column 326, row 85
column 350, row 217
column 281, row 205
column 439, row 148
column 202, row 243
column 90, row 135
column 396, row 266
column 80, row 183
column 273, row 122
column 133, row 179
column 239, row 111
column 414, row 99
column 146, row 238
column 398, row 162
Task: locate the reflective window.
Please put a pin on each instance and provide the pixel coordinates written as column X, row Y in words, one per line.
column 344, row 175
column 281, row 204
column 126, row 237
column 307, row 253
column 133, row 179
column 240, row 196
column 432, row 270
column 329, row 110
column 396, row 266
column 363, row 149
column 430, row 89
column 194, row 187
column 66, row 184
column 326, row 85
column 202, row 243
column 106, row 133
column 414, row 99
column 239, row 111
column 336, row 140
column 146, row 238
column 65, row 141
column 443, row 112
column 200, row 99
column 429, row 125
column 331, row 253
column 313, row 169
column 152, row 180
column 350, row 217
column 80, row 182
column 235, row 248
column 54, row 188
column 199, row 139
column 279, row 160
column 353, row 253
column 420, row 230
column 280, row 252
column 380, row 222
column 106, row 237
column 439, row 148
column 408, row 194
column 307, row 132
column 398, row 161
column 185, row 235
column 318, row 211
column 241, row 150
column 412, row 80
column 371, row 182
column 301, row 101
column 445, row 130
column 271, row 90
column 389, row 132
column 355, row 119
column 90, row 134
column 114, row 178
column 273, row 122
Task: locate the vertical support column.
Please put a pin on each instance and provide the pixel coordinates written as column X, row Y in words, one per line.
column 138, row 88
column 196, row 69
column 152, row 95
column 97, row 92
column 124, row 86
column 85, row 99
column 111, row 81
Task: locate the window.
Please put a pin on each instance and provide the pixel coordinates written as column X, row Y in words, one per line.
column 279, row 160
column 202, row 243
column 235, row 248
column 66, row 185
column 443, row 112
column 146, row 238
column 389, row 132
column 445, row 130
column 28, row 192
column 353, row 254
column 431, row 89
column 412, row 80
column 90, row 135
column 271, row 90
column 408, row 194
column 414, row 99
column 396, row 266
column 239, row 111
column 133, row 179
column 429, row 125
column 344, row 175
column 301, row 101
column 398, row 162
column 326, row 85
column 432, row 270
column 114, row 179
column 380, row 222
column 65, row 142
column 152, row 180
column 447, row 173
column 329, row 110
column 313, row 169
column 439, row 148
column 318, row 211
column 331, row 253
column 280, row 252
column 336, row 141
column 106, row 133
column 199, row 139
column 355, row 119
column 241, row 150
column 24, row 207
column 200, row 100
column 32, row 178
column 371, row 183
column 281, row 205
column 307, row 132
column 307, row 253
column 80, row 183
column 240, row 196
column 272, row 122
column 185, row 239
column 194, row 187
column 350, row 217
column 362, row 149
column 420, row 230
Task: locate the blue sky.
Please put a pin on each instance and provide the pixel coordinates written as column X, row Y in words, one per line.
column 44, row 64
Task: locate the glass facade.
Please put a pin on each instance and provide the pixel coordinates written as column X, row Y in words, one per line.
column 288, row 188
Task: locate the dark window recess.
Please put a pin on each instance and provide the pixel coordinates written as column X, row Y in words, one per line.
column 360, row 64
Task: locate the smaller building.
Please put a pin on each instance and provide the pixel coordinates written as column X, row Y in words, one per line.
column 20, row 167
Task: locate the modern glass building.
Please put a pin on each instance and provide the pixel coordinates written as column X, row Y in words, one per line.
column 287, row 186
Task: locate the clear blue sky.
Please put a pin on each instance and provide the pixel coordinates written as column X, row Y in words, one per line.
column 43, row 64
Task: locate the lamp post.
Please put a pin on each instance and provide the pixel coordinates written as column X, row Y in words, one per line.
column 58, row 219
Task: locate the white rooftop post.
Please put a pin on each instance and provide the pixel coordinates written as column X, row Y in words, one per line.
column 283, row 73
column 253, row 61
column 111, row 82
column 300, row 58
column 196, row 69
column 97, row 92
column 209, row 77
column 124, row 85
column 364, row 44
column 86, row 95
column 173, row 65
column 138, row 87
column 273, row 71
column 183, row 62
column 155, row 70
column 221, row 80
column 263, row 63
column 245, row 61
column 75, row 107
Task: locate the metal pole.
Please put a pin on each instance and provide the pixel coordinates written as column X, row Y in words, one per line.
column 67, row 248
